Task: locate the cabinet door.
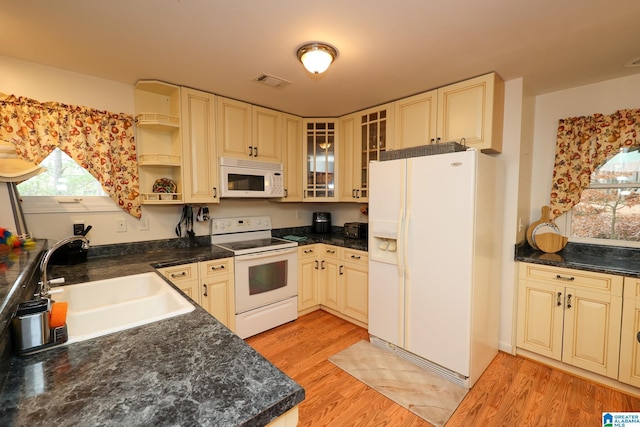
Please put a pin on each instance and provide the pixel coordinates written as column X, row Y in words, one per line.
column 354, row 289
column 267, row 128
column 292, row 158
column 234, row 128
column 592, row 331
column 200, row 161
column 320, row 154
column 307, row 281
column 328, row 282
column 215, row 298
column 376, row 133
column 415, row 119
column 629, row 344
column 540, row 318
column 473, row 110
column 349, row 158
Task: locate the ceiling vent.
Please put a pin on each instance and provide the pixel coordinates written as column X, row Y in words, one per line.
column 273, row 81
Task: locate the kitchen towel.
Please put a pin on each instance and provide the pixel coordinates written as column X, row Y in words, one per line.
column 427, row 395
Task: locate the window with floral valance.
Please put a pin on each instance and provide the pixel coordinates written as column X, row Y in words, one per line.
column 100, row 141
column 583, row 144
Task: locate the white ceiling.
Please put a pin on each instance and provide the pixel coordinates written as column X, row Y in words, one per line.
column 387, row 49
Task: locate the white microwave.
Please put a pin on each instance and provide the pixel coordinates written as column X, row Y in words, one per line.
column 250, row 178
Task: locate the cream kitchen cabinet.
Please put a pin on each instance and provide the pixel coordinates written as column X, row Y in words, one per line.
column 185, row 277
column 292, row 158
column 353, row 285
column 364, row 136
column 308, row 266
column 217, row 290
column 319, row 152
column 571, row 316
column 328, row 275
column 209, row 284
column 630, row 335
column 158, row 139
column 247, row 131
column 416, row 118
column 200, row 166
column 472, row 109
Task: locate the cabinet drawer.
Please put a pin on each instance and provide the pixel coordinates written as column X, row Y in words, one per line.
column 570, row 277
column 307, row 251
column 355, row 256
column 632, row 287
column 180, row 273
column 329, row 251
column 215, row 267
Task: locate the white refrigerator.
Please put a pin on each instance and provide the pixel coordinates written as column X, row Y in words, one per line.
column 434, row 261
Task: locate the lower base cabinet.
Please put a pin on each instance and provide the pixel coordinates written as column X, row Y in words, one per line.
column 335, row 279
column 571, row 316
column 209, row 284
column 630, row 335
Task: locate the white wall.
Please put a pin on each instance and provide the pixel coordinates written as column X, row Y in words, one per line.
column 50, row 84
column 605, row 97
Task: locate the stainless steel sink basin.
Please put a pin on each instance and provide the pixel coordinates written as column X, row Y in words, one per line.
column 105, row 306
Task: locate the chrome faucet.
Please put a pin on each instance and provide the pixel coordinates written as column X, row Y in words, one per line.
column 44, row 282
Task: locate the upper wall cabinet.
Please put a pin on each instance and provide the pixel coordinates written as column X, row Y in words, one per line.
column 320, row 160
column 364, row 136
column 159, row 143
column 472, row 109
column 292, row 157
column 247, row 131
column 200, row 166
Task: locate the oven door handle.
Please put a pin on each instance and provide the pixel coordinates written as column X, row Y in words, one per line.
column 266, row 254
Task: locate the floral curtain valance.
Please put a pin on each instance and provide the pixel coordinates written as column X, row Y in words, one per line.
column 101, row 142
column 583, row 144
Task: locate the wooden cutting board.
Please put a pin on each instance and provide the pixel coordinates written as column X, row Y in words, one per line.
column 544, row 234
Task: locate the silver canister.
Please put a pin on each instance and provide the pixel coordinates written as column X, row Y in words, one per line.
column 31, row 325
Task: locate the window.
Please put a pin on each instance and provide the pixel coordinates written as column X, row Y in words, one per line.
column 64, row 187
column 609, row 207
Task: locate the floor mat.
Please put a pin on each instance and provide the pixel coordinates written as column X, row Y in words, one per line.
column 427, row 395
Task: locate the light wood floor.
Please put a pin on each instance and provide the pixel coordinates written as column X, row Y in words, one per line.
column 512, row 392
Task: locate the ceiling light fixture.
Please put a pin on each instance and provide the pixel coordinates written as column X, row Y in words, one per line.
column 316, row 57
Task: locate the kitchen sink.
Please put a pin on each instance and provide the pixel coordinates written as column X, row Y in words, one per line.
column 105, row 306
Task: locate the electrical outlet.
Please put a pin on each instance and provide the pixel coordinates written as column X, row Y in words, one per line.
column 78, row 229
column 121, row 225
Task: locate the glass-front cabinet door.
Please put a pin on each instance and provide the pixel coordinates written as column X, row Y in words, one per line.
column 320, row 150
column 374, row 128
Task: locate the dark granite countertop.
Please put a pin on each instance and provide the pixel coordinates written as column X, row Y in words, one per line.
column 602, row 259
column 187, row 370
column 334, row 238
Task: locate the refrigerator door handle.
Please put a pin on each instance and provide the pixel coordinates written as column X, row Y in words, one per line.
column 399, row 248
column 405, row 241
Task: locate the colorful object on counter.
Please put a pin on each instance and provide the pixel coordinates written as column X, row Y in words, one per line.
column 10, row 241
column 58, row 314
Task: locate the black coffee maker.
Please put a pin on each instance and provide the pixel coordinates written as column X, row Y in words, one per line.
column 321, row 222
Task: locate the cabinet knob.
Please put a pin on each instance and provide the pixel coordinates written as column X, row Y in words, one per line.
column 569, row 301
column 316, row 261
column 286, row 193
column 181, row 274
column 638, row 337
column 215, row 267
column 322, row 265
column 341, row 272
column 355, row 256
column 331, row 251
column 204, row 286
column 250, row 151
column 567, row 278
column 308, row 251
column 215, row 192
column 559, row 299
column 256, row 151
